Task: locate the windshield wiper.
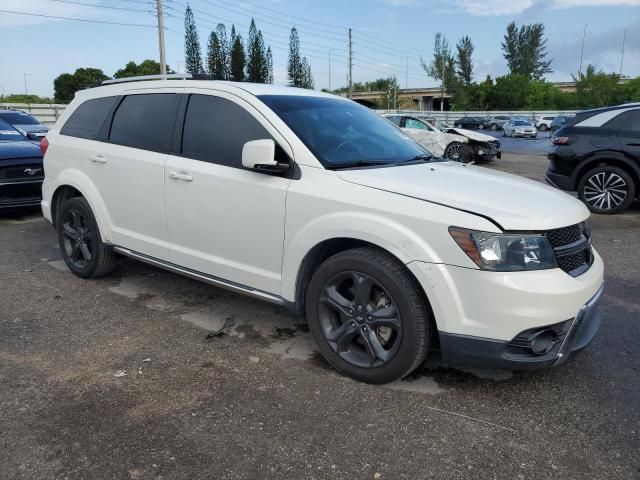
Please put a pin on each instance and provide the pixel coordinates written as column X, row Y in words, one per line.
column 360, row 163
column 423, row 157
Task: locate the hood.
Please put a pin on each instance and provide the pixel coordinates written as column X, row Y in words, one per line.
column 515, row 203
column 20, row 149
column 480, row 137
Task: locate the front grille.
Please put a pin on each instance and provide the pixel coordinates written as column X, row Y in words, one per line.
column 24, row 171
column 572, row 246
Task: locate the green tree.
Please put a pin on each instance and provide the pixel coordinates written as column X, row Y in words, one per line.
column 216, row 58
column 146, row 67
column 307, row 76
column 441, row 67
column 464, row 61
column 225, row 48
column 238, row 59
column 66, row 85
column 525, row 50
column 256, row 71
column 511, row 91
column 595, row 88
column 269, row 64
column 192, row 52
column 295, row 72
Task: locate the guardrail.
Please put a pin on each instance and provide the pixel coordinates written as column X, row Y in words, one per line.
column 452, row 116
column 46, row 113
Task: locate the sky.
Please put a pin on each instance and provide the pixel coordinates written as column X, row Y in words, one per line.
column 388, row 35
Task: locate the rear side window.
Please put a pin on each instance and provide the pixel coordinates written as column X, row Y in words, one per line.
column 216, row 129
column 145, row 121
column 87, row 120
column 629, row 121
column 394, row 119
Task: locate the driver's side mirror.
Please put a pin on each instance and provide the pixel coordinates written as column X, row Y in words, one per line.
column 260, row 155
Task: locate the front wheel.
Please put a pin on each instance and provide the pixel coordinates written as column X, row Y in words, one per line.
column 458, row 152
column 494, row 126
column 606, row 190
column 459, row 125
column 368, row 316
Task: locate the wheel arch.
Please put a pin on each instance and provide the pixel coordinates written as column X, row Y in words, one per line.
column 325, row 249
column 75, row 184
column 611, row 158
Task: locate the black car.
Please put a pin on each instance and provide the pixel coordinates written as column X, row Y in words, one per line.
column 21, row 171
column 26, row 123
column 597, row 154
column 469, row 122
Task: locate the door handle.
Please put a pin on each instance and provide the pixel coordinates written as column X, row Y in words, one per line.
column 97, row 158
column 181, row 176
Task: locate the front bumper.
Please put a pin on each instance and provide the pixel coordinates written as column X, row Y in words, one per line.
column 20, row 194
column 573, row 335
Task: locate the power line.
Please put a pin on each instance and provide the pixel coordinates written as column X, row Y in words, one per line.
column 101, row 6
column 77, row 19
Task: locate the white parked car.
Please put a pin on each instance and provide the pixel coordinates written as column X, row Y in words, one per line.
column 544, row 123
column 316, row 203
column 519, row 128
column 456, row 144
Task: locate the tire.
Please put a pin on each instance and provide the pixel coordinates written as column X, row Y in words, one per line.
column 543, row 127
column 459, row 126
column 513, row 134
column 607, row 190
column 494, row 126
column 458, row 152
column 481, row 126
column 80, row 242
column 340, row 323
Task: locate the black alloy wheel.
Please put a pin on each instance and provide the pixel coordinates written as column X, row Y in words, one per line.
column 606, row 190
column 368, row 315
column 80, row 242
column 458, row 152
column 77, row 239
column 360, row 320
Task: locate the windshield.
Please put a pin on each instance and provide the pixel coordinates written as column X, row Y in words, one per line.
column 343, row 134
column 9, row 134
column 18, row 118
column 522, row 123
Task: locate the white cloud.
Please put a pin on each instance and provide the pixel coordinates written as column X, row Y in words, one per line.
column 515, row 7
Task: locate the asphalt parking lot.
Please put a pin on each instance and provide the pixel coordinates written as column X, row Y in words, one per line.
column 113, row 378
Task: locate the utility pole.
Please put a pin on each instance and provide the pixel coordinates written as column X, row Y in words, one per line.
column 584, row 34
column 329, row 69
column 406, row 75
column 624, row 38
column 163, row 62
column 350, row 65
column 26, row 91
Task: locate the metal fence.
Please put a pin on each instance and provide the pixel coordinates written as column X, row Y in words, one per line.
column 44, row 112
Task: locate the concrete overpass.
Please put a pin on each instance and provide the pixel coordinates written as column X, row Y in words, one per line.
column 427, row 98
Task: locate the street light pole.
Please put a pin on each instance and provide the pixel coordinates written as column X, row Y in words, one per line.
column 624, row 38
column 584, row 34
column 26, row 91
column 163, row 62
column 329, row 69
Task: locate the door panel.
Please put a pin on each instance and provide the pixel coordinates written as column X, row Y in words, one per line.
column 225, row 220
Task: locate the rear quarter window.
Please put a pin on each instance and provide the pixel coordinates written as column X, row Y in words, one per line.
column 87, row 120
column 145, row 121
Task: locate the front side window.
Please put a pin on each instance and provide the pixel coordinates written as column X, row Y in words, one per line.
column 341, row 133
column 395, row 119
column 87, row 120
column 145, row 121
column 414, row 123
column 216, row 129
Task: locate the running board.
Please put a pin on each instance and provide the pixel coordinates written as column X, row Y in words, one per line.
column 203, row 277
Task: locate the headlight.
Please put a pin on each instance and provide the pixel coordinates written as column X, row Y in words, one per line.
column 503, row 252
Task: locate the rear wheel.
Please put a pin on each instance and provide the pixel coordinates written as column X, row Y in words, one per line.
column 494, row 126
column 607, row 189
column 368, row 316
column 513, row 134
column 80, row 242
column 542, row 127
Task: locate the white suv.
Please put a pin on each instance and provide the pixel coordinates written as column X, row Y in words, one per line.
column 314, row 202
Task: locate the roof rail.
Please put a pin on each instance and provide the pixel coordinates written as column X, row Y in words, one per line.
column 170, row 76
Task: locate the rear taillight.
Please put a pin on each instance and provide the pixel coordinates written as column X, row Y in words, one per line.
column 560, row 140
column 44, row 144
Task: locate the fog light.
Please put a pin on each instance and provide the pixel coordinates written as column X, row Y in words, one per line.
column 543, row 342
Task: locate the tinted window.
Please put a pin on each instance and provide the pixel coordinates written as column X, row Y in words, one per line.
column 634, row 121
column 18, row 118
column 342, row 133
column 395, row 119
column 10, row 134
column 145, row 121
column 87, row 120
column 629, row 121
column 216, row 129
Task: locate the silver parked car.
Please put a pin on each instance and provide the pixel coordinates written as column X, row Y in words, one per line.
column 519, row 128
column 496, row 122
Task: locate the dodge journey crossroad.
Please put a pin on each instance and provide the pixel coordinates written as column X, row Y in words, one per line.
column 316, row 203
